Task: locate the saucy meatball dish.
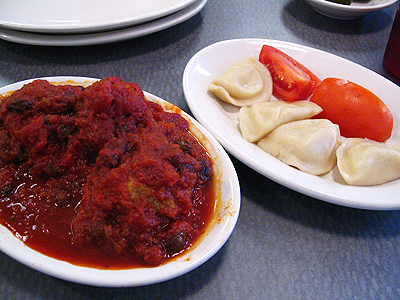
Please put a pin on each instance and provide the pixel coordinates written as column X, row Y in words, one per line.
column 99, row 176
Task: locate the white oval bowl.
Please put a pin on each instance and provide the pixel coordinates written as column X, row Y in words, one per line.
column 221, row 119
column 218, row 232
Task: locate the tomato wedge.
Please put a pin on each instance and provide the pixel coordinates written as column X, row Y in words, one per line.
column 357, row 111
column 291, row 80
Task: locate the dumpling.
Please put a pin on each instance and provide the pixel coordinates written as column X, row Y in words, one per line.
column 366, row 162
column 245, row 83
column 258, row 120
column 309, row 145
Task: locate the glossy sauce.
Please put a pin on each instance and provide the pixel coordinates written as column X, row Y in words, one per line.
column 66, row 202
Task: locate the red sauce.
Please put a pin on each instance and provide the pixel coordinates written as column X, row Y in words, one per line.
column 99, row 176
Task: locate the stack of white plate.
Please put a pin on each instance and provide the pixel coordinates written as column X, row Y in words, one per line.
column 87, row 22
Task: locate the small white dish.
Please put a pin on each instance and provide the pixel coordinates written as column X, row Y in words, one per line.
column 217, row 233
column 78, row 16
column 222, row 119
column 110, row 36
column 346, row 12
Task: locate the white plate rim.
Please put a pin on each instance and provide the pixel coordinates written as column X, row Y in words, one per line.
column 210, row 245
column 355, row 7
column 348, row 12
column 61, row 24
column 222, row 123
column 110, row 36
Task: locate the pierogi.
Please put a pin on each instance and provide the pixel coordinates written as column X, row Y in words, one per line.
column 309, row 145
column 258, row 120
column 287, row 131
column 366, row 162
column 245, row 83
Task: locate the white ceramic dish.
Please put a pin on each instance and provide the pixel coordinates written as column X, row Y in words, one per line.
column 222, row 119
column 353, row 11
column 225, row 218
column 76, row 16
column 38, row 39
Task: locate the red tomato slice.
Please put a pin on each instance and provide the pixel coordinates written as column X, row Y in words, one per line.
column 357, row 111
column 291, row 80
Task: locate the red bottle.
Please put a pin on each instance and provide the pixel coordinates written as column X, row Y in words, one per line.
column 391, row 60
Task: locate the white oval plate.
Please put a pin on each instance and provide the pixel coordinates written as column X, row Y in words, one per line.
column 109, row 36
column 221, row 227
column 222, row 119
column 76, row 16
column 355, row 10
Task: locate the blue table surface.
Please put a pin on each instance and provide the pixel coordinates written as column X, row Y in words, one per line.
column 285, row 245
